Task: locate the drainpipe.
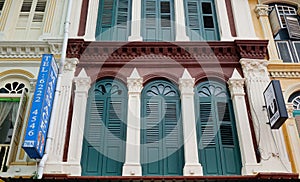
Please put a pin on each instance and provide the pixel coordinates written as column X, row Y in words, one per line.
column 41, row 165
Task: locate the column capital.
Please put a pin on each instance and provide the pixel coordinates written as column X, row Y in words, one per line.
column 186, row 83
column 135, row 82
column 32, row 83
column 236, row 87
column 255, row 69
column 82, row 82
column 261, row 10
column 70, row 64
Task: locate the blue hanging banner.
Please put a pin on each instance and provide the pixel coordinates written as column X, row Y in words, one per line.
column 39, row 118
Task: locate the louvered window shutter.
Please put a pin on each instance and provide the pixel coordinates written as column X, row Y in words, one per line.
column 293, row 26
column 161, row 130
column 158, row 24
column 103, row 150
column 113, row 20
column 201, row 20
column 39, row 11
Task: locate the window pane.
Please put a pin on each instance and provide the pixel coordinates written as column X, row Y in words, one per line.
column 297, row 50
column 284, row 52
column 26, row 6
column 165, row 7
column 206, row 8
column 165, row 21
column 208, row 22
column 40, row 6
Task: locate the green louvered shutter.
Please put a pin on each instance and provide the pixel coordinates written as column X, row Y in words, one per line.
column 201, row 20
column 216, row 133
column 103, row 152
column 113, row 23
column 161, row 150
column 158, row 20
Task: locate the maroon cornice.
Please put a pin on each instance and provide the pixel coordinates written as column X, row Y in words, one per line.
column 151, row 53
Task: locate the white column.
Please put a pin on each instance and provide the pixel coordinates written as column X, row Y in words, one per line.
column 263, row 15
column 192, row 166
column 75, row 14
column 61, row 110
column 82, row 83
column 243, row 20
column 236, row 86
column 273, row 151
column 91, row 22
column 180, row 21
column 132, row 166
column 136, row 21
column 223, row 22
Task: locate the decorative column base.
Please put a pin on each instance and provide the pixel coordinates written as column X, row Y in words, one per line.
column 72, row 169
column 192, row 170
column 132, row 170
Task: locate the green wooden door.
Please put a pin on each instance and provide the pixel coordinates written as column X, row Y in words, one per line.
column 103, row 152
column 161, row 134
column 216, row 133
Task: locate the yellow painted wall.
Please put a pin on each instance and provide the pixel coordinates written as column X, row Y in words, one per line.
column 257, row 26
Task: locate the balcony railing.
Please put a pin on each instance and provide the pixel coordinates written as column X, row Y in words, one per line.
column 4, row 149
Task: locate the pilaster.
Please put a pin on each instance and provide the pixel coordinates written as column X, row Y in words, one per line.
column 132, row 166
column 75, row 14
column 136, row 21
column 192, row 166
column 59, row 116
column 263, row 16
column 271, row 146
column 236, row 87
column 91, row 21
column 82, row 84
column 180, row 23
column 223, row 20
column 242, row 18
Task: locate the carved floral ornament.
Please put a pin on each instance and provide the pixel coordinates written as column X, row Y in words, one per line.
column 262, row 10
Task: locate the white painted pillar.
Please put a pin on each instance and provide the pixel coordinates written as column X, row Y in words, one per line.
column 243, row 20
column 91, row 22
column 263, row 15
column 223, row 22
column 82, row 83
column 192, row 166
column 53, row 164
column 236, row 86
column 136, row 14
column 132, row 166
column 75, row 14
column 180, row 21
column 273, row 151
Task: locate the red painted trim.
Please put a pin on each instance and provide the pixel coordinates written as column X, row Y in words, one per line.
column 230, row 17
column 83, row 17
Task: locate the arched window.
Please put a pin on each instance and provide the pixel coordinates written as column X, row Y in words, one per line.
column 295, row 100
column 217, row 138
column 103, row 152
column 161, row 136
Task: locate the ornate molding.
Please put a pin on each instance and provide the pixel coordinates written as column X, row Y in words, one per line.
column 82, row 84
column 236, row 87
column 262, row 10
column 186, row 85
column 255, row 68
column 185, row 53
column 32, row 83
column 290, row 109
column 30, row 49
column 135, row 85
column 285, row 74
column 70, row 64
